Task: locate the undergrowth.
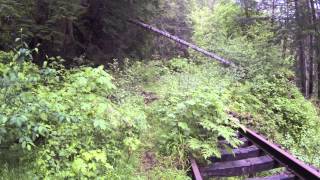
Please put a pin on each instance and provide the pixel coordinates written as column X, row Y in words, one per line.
column 145, row 119
column 82, row 123
column 190, row 93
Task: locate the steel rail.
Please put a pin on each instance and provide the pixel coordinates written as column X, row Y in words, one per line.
column 297, row 167
column 195, row 169
column 287, row 160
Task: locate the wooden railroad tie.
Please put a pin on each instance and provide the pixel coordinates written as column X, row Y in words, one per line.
column 255, row 155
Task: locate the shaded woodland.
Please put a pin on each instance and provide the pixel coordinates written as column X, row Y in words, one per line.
column 97, row 31
column 88, row 94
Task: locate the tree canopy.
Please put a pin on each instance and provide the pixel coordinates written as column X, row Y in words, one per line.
column 96, row 29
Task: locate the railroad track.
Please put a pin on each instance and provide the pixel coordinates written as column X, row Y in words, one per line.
column 255, row 155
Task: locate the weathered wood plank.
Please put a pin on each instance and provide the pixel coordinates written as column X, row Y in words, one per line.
column 282, row 176
column 299, row 168
column 238, row 154
column 239, row 167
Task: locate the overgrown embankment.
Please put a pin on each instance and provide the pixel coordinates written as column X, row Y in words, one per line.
column 194, row 99
column 144, row 122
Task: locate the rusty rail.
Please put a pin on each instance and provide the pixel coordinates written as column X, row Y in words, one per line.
column 248, row 160
column 195, row 169
column 298, row 167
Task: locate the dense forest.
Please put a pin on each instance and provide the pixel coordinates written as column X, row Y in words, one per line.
column 88, row 94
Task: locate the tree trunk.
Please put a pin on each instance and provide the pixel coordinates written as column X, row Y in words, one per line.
column 285, row 35
column 311, row 67
column 41, row 16
column 316, row 41
column 273, row 12
column 183, row 42
column 311, row 51
column 300, row 47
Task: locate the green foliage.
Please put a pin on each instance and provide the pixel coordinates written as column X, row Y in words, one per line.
column 34, row 18
column 213, row 23
column 265, row 98
column 155, row 70
column 194, row 121
column 66, row 119
column 195, row 97
column 179, row 65
column 276, row 107
column 91, row 164
column 250, row 46
column 77, row 124
column 190, row 114
column 7, row 172
column 81, row 123
column 164, row 173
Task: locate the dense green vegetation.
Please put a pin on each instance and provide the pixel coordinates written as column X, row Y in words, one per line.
column 113, row 133
column 143, row 119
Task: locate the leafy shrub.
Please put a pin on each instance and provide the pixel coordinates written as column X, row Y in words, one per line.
column 194, row 120
column 272, row 105
column 279, row 110
column 146, row 72
column 220, row 30
column 67, row 119
column 179, row 65
column 277, row 100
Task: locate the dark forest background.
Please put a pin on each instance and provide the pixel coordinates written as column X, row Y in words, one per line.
column 97, row 31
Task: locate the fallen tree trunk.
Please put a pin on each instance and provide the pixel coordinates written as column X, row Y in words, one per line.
column 183, row 42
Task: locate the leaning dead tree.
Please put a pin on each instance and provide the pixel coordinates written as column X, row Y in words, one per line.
column 183, row 42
